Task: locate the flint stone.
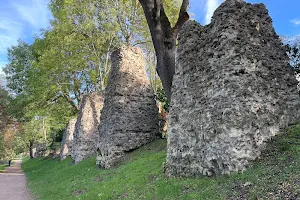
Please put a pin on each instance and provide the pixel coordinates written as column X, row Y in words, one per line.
column 66, row 143
column 86, row 136
column 129, row 118
column 233, row 90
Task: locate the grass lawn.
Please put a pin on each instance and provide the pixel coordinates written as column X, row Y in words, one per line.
column 275, row 175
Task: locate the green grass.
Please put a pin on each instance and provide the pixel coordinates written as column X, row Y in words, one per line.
column 2, row 167
column 276, row 175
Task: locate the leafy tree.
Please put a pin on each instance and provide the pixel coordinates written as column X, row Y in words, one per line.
column 29, row 134
column 293, row 51
column 5, row 99
column 30, row 86
column 132, row 23
column 294, row 55
column 76, row 59
column 18, row 70
column 9, row 141
column 8, row 127
column 71, row 59
column 5, row 120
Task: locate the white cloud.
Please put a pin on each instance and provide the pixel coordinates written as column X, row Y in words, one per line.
column 21, row 19
column 2, row 75
column 10, row 32
column 1, row 71
column 211, row 6
column 296, row 22
column 34, row 12
column 294, row 39
column 2, row 65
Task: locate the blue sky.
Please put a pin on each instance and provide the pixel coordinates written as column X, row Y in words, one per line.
column 22, row 19
column 285, row 13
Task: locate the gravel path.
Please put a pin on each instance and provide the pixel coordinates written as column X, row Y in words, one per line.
column 13, row 183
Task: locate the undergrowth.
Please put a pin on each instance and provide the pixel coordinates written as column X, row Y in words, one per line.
column 2, row 167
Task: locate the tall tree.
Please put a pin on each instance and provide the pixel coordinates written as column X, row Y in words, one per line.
column 20, row 59
column 164, row 38
column 8, row 127
column 29, row 134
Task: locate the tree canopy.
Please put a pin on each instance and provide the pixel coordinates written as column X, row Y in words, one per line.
column 48, row 78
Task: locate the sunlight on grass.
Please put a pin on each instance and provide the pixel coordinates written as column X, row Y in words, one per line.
column 142, row 177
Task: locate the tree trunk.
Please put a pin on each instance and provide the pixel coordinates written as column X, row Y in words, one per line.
column 166, row 66
column 44, row 129
column 164, row 38
column 31, row 149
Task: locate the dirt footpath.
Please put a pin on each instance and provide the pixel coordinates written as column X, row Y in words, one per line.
column 13, row 183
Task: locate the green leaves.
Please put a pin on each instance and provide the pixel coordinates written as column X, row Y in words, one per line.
column 293, row 52
column 172, row 8
column 18, row 69
column 72, row 58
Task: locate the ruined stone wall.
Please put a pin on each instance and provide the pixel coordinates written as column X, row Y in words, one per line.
column 129, row 116
column 85, row 136
column 233, row 90
column 40, row 150
column 66, row 143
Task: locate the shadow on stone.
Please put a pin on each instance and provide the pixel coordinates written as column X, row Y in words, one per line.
column 129, row 118
column 233, row 90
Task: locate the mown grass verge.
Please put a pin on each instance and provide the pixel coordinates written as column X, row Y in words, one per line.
column 275, row 175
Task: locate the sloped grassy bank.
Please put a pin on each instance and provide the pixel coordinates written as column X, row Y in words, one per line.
column 276, row 175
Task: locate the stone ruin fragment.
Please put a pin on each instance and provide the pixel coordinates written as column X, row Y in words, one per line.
column 129, row 116
column 86, row 136
column 40, row 150
column 232, row 91
column 66, row 143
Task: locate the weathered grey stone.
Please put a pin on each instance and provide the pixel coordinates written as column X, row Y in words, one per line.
column 40, row 150
column 66, row 143
column 85, row 136
column 129, row 116
column 233, row 90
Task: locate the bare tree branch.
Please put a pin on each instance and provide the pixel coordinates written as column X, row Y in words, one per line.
column 73, row 104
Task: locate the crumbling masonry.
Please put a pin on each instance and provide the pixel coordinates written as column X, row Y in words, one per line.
column 233, row 90
column 86, row 136
column 66, row 143
column 129, row 116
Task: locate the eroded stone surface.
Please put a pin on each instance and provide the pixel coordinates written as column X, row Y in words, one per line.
column 129, row 116
column 233, row 90
column 40, row 150
column 85, row 136
column 66, row 143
